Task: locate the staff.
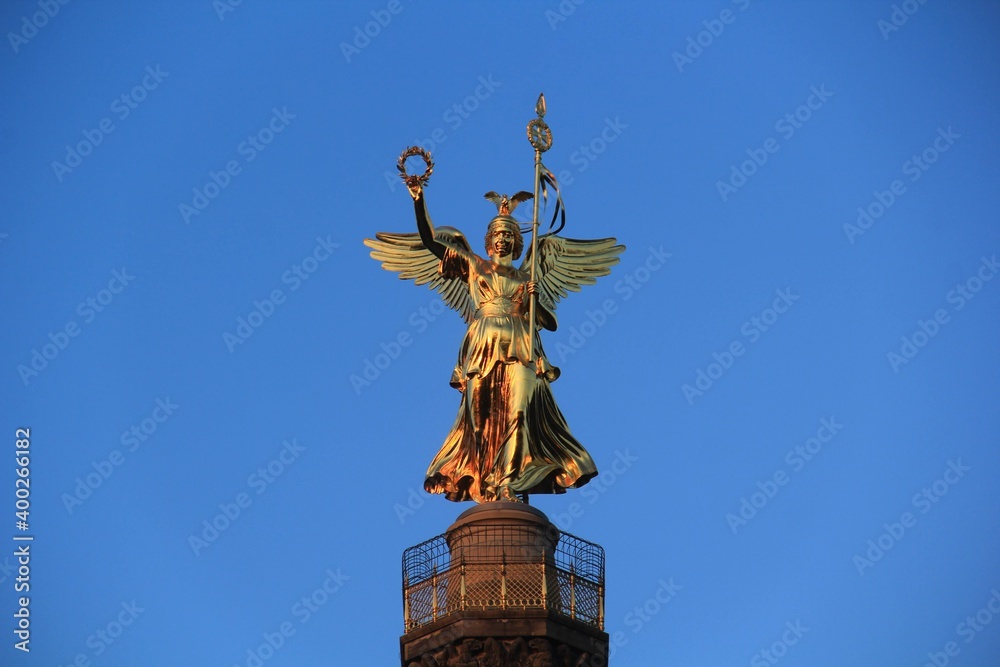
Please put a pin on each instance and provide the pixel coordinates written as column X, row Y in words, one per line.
column 540, row 137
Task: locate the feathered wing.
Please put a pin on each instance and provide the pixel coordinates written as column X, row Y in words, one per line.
column 566, row 265
column 407, row 256
column 519, row 197
column 494, row 197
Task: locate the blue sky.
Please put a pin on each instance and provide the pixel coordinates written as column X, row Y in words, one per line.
column 789, row 383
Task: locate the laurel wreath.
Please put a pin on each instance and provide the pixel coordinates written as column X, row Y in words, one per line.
column 410, row 152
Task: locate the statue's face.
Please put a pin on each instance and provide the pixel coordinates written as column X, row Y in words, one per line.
column 503, row 242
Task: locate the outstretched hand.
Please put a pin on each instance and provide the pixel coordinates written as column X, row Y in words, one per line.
column 414, row 186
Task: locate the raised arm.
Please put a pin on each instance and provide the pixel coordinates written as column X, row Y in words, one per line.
column 424, row 226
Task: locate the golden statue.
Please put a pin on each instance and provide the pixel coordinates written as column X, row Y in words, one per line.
column 509, row 437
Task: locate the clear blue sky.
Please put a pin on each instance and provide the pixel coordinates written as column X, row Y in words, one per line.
column 801, row 398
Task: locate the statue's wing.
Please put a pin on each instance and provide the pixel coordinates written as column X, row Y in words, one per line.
column 565, row 265
column 407, row 256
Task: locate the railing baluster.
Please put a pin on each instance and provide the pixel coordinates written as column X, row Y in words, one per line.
column 545, row 588
column 600, row 606
column 462, row 586
column 572, row 591
column 434, row 594
column 406, row 603
column 503, row 582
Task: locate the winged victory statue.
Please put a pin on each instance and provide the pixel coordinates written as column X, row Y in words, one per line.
column 509, row 438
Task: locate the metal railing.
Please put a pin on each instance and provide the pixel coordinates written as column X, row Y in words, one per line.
column 565, row 574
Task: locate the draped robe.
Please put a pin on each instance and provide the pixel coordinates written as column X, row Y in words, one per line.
column 509, row 436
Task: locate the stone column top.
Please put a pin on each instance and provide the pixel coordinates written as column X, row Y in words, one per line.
column 501, row 511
